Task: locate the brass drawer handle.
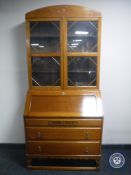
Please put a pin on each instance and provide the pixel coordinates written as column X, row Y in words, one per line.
column 86, row 151
column 39, row 149
column 39, row 135
column 87, row 135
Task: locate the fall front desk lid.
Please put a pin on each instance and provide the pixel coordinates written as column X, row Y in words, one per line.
column 64, row 105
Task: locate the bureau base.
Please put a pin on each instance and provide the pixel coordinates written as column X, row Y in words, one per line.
column 63, row 163
column 61, row 127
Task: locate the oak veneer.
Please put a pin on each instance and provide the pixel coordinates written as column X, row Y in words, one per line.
column 63, row 122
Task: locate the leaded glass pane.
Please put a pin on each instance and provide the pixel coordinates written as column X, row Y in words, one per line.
column 82, row 36
column 46, row 71
column 82, row 71
column 45, row 36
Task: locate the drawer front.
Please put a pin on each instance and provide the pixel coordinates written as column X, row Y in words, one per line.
column 64, row 122
column 59, row 133
column 49, row 148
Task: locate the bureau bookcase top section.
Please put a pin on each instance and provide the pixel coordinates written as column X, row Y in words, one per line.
column 63, row 48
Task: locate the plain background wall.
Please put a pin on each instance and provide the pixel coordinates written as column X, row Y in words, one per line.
column 115, row 81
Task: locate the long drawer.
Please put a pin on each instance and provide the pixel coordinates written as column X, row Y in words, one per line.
column 50, row 148
column 63, row 133
column 64, row 122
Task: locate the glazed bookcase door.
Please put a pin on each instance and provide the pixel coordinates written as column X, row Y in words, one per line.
column 45, row 50
column 64, row 53
column 82, row 53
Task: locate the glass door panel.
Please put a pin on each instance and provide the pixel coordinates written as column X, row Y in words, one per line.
column 46, row 71
column 82, row 71
column 82, row 36
column 45, row 36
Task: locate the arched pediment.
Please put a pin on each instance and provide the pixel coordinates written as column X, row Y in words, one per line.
column 60, row 11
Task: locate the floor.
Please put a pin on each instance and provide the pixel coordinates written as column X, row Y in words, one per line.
column 12, row 162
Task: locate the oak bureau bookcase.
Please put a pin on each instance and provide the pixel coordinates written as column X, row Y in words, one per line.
column 63, row 111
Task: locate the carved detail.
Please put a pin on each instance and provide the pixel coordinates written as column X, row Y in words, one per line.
column 62, row 123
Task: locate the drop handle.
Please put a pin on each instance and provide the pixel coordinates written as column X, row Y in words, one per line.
column 39, row 149
column 39, row 135
column 87, row 150
column 87, row 135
